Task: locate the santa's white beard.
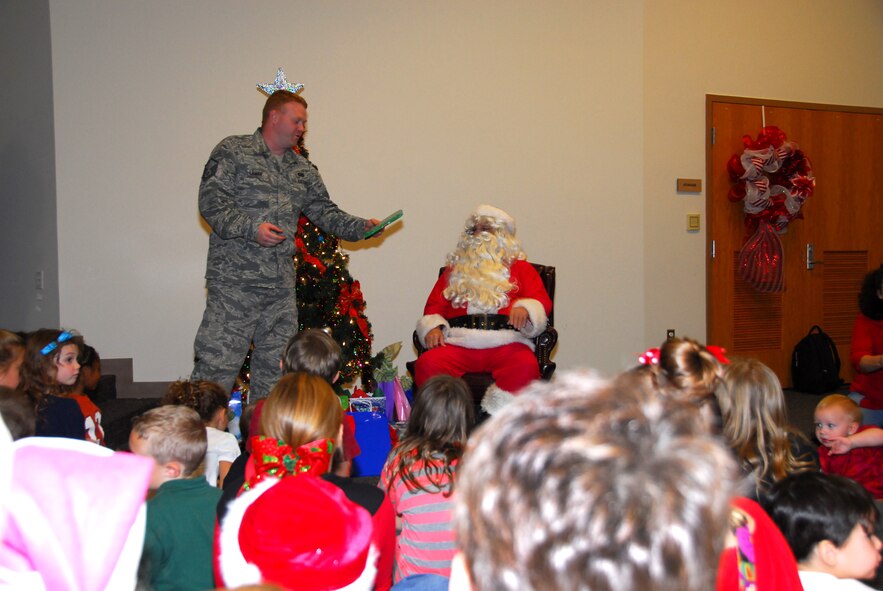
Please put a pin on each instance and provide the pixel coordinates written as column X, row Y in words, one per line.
column 480, row 273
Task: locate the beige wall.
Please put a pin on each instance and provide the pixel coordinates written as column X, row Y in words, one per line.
column 574, row 116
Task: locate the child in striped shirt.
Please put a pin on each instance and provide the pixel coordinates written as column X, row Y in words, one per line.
column 419, row 476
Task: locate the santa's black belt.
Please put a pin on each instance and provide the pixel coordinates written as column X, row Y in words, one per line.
column 481, row 322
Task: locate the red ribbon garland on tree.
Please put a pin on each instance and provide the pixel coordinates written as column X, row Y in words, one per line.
column 301, row 247
column 773, row 178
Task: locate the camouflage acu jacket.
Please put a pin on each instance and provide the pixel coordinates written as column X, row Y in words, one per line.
column 244, row 185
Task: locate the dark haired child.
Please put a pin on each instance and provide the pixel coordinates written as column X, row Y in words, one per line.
column 17, row 413
column 12, row 355
column 49, row 372
column 828, row 521
column 210, row 401
column 15, row 408
column 90, row 373
column 181, row 514
column 90, row 370
column 419, row 476
column 866, row 350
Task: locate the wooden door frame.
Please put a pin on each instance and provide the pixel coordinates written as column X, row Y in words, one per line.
column 710, row 100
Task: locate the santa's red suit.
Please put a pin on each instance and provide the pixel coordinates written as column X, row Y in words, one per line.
column 506, row 353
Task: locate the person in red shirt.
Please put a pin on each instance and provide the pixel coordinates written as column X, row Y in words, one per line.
column 867, row 350
column 848, row 448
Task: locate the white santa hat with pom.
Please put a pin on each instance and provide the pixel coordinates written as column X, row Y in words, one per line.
column 299, row 532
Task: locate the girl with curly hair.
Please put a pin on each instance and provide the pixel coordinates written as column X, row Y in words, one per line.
column 210, row 401
column 48, row 374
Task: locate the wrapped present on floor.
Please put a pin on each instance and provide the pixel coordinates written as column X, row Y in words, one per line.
column 372, row 435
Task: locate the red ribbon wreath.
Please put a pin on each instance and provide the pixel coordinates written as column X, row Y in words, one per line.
column 773, row 178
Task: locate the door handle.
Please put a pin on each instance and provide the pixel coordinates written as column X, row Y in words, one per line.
column 810, row 257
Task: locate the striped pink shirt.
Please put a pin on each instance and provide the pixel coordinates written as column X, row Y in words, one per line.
column 425, row 544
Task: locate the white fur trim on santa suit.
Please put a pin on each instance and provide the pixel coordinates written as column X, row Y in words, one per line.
column 234, row 570
column 537, row 314
column 428, row 322
column 496, row 213
column 496, row 399
column 473, row 338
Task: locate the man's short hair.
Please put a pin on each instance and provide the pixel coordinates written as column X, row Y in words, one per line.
column 315, row 352
column 173, row 434
column 844, row 403
column 586, row 484
column 279, row 98
column 810, row 507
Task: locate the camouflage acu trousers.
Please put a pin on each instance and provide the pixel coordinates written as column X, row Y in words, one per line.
column 234, row 317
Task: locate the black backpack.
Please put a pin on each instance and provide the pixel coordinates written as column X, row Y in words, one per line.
column 815, row 363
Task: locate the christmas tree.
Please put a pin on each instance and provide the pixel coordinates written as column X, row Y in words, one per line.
column 329, row 298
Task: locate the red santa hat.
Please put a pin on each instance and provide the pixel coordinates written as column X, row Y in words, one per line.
column 500, row 216
column 300, row 533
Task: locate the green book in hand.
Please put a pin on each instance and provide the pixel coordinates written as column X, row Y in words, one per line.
column 384, row 223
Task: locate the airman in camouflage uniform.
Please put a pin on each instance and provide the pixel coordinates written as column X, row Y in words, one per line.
column 254, row 187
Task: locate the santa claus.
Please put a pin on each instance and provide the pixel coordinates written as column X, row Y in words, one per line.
column 484, row 310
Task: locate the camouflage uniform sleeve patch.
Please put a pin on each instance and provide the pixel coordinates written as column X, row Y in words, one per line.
column 211, row 167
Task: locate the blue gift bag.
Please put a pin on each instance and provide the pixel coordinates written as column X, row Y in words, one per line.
column 372, row 435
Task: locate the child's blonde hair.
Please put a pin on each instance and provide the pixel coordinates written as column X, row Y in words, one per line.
column 756, row 422
column 301, row 408
column 844, row 403
column 173, row 434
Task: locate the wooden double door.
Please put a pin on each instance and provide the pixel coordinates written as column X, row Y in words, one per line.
column 843, row 223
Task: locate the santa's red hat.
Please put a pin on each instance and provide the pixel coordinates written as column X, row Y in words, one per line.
column 300, row 533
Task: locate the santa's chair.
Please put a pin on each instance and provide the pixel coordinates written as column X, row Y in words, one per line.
column 544, row 343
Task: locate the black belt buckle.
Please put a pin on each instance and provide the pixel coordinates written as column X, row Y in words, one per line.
column 483, row 322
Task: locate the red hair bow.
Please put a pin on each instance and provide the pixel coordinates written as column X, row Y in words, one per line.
column 273, row 458
column 719, row 353
column 651, row 356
